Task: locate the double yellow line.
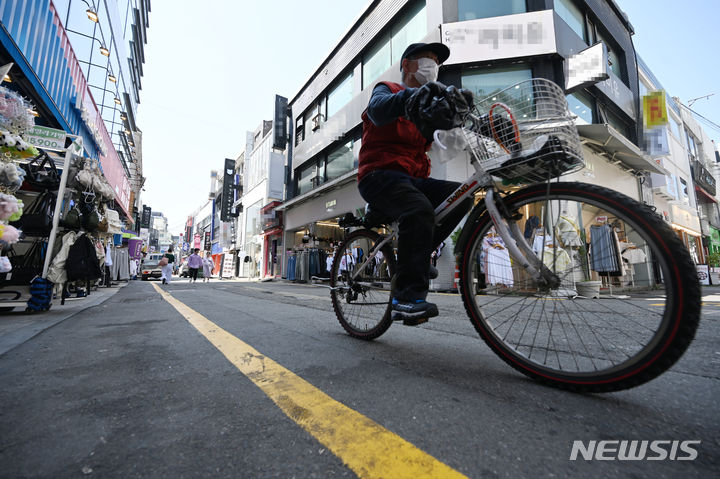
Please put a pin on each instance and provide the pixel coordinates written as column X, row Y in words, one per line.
column 370, row 450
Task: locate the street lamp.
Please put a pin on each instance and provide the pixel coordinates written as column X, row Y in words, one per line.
column 92, row 15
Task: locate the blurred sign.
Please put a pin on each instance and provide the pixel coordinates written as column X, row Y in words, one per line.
column 703, row 272
column 511, row 36
column 228, row 193
column 146, row 215
column 586, row 67
column 280, row 123
column 654, row 110
column 208, row 245
column 228, row 267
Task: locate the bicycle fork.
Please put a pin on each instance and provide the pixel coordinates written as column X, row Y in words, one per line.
column 518, row 248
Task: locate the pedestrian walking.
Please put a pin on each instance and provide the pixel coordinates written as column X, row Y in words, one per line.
column 167, row 268
column 207, row 267
column 194, row 262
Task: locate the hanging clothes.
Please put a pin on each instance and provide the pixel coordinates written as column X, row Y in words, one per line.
column 328, row 263
column 291, row 267
column 557, row 259
column 530, row 225
column 57, row 272
column 539, row 240
column 632, row 254
column 605, row 251
column 498, row 267
column 568, row 231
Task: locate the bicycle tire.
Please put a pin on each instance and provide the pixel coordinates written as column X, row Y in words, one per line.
column 669, row 321
column 362, row 319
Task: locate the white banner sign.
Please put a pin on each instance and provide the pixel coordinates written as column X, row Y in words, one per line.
column 228, row 268
column 46, row 138
column 510, row 36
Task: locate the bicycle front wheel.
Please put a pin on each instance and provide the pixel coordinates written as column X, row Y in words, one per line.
column 361, row 291
column 623, row 308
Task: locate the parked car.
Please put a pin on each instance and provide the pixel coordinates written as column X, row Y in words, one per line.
column 183, row 271
column 149, row 267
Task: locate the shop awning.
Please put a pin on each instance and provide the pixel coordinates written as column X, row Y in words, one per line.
column 703, row 196
column 607, row 141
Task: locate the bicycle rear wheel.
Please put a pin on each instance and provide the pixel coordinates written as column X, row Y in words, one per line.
column 362, row 304
column 568, row 335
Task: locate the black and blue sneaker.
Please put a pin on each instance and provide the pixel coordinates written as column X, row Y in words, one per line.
column 413, row 313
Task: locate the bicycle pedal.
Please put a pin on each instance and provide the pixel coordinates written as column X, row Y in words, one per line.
column 414, row 321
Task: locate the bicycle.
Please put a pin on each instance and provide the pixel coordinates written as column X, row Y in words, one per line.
column 523, row 295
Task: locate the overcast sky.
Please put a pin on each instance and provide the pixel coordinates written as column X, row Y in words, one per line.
column 212, row 73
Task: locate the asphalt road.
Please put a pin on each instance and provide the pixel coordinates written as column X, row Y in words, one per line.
column 131, row 388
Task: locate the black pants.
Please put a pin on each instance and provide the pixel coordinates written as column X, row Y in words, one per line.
column 412, row 201
column 192, row 273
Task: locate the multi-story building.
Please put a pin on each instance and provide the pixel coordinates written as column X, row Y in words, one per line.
column 80, row 63
column 263, row 184
column 160, row 237
column 493, row 45
column 685, row 194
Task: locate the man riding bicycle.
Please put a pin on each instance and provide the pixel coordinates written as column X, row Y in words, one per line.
column 393, row 177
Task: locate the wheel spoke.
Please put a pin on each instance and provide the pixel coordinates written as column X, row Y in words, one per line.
column 555, row 330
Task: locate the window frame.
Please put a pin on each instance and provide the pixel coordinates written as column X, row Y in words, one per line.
column 460, row 9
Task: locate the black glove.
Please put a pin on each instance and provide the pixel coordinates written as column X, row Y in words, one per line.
column 437, row 107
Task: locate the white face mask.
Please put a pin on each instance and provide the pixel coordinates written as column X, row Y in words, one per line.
column 427, row 70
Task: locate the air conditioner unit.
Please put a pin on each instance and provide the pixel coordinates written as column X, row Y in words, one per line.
column 663, row 192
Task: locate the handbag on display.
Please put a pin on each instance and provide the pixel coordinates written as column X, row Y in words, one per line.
column 73, row 219
column 41, row 174
column 37, row 218
column 103, row 224
column 91, row 217
column 26, row 266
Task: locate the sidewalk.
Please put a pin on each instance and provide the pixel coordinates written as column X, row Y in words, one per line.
column 16, row 327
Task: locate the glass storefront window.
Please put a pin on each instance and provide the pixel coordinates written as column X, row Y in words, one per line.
column 581, row 105
column 618, row 124
column 487, row 82
column 378, row 61
column 573, row 16
column 305, row 179
column 340, row 95
column 674, row 126
column 614, row 57
column 411, row 28
column 339, row 161
column 473, row 9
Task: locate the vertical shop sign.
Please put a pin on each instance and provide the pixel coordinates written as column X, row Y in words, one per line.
column 280, row 123
column 146, row 214
column 654, row 111
column 208, row 245
column 226, row 202
column 189, row 228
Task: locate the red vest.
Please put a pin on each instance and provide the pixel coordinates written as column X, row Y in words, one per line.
column 398, row 145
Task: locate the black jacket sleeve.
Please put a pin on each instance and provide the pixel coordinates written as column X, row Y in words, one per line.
column 386, row 106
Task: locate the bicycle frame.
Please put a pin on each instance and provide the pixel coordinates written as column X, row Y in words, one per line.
column 517, row 246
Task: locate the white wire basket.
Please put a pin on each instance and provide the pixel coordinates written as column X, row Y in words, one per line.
column 526, row 133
